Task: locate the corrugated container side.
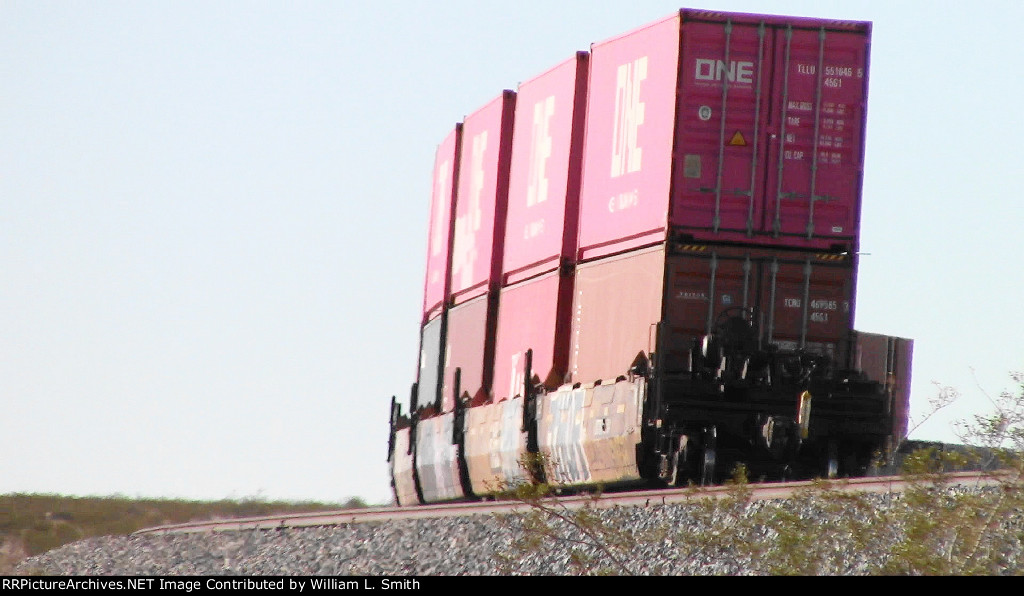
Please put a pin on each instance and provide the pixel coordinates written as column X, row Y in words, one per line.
column 816, row 136
column 533, row 315
column 544, row 182
column 797, row 300
column 753, row 134
column 469, row 347
column 770, row 132
column 439, row 239
column 627, row 156
column 903, row 368
column 702, row 285
column 482, row 199
column 617, row 305
column 719, row 172
column 807, row 303
column 871, row 355
column 888, row 360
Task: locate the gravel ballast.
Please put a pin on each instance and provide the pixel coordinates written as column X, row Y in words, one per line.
column 670, row 539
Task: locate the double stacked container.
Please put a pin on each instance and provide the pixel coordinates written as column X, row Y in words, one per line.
column 703, row 168
column 460, row 304
column 726, row 129
column 436, row 295
column 535, row 295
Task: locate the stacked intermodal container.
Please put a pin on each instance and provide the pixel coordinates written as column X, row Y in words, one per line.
column 726, row 128
column 535, row 294
column 693, row 183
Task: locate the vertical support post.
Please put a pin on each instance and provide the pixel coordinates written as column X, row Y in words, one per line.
column 716, row 223
column 777, row 226
column 757, row 127
column 817, row 134
column 806, row 304
column 711, row 292
column 457, row 426
column 771, row 300
column 396, row 413
column 414, row 414
column 527, row 390
column 746, row 281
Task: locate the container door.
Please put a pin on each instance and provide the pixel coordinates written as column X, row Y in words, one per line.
column 719, row 139
column 808, row 304
column 816, row 135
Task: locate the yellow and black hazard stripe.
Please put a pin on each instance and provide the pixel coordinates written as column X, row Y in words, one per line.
column 832, row 257
column 692, row 247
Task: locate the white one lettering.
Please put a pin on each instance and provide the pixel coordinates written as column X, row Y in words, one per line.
column 466, row 225
column 540, row 151
column 792, row 302
column 716, row 70
column 629, row 116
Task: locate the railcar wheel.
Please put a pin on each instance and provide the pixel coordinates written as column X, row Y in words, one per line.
column 707, row 474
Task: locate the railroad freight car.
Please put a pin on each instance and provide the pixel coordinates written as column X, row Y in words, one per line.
column 642, row 264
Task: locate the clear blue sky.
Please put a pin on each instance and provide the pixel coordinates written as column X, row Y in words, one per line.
column 213, row 220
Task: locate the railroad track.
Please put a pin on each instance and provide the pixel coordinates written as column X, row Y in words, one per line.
column 775, row 490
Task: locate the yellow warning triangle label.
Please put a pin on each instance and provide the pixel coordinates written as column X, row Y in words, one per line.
column 738, row 140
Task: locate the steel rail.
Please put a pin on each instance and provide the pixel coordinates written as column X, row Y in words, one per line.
column 643, row 498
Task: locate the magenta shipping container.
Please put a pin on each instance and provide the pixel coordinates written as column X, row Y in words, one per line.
column 721, row 127
column 469, row 349
column 797, row 301
column 436, row 289
column 481, row 200
column 642, row 267
column 887, row 360
column 544, row 184
column 533, row 316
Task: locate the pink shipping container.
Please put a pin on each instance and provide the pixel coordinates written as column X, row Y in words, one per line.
column 533, row 316
column 721, row 127
column 481, row 200
column 888, row 360
column 468, row 349
column 617, row 305
column 799, row 301
column 544, row 184
column 642, row 264
column 436, row 288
